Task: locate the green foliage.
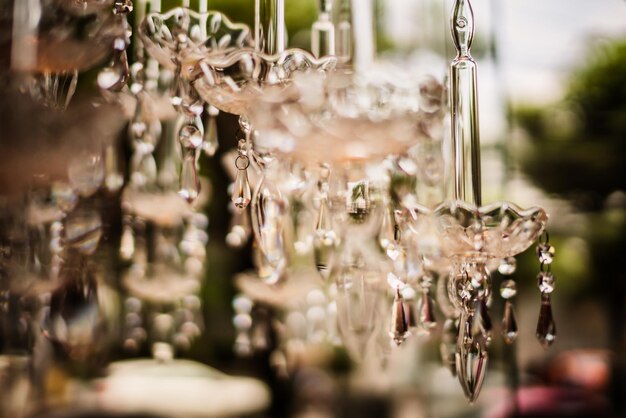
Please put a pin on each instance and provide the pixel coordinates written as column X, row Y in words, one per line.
column 579, row 146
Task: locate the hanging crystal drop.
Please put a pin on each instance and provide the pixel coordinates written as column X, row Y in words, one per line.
column 240, row 230
column 127, row 243
column 482, row 325
column 546, row 327
column 241, row 193
column 189, row 182
column 387, row 233
column 471, row 359
column 115, row 76
column 399, row 324
column 426, row 309
column 545, row 253
column 71, row 320
column 324, row 240
column 267, row 214
column 545, row 282
column 210, row 143
column 113, row 178
column 509, row 323
column 447, row 347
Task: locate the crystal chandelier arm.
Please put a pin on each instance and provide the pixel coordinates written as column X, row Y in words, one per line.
column 464, row 108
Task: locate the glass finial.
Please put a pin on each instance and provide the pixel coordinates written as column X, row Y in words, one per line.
column 462, row 25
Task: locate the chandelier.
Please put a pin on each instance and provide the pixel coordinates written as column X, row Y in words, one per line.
column 359, row 185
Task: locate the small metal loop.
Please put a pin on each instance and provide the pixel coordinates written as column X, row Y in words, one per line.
column 242, row 162
column 545, row 237
column 545, row 268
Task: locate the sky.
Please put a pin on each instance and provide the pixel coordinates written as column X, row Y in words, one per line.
column 539, row 41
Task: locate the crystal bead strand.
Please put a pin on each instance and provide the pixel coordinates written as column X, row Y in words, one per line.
column 546, row 327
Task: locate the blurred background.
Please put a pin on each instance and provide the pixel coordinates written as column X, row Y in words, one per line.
column 552, row 88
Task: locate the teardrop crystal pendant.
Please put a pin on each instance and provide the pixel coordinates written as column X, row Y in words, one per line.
column 210, row 143
column 189, row 182
column 471, row 359
column 509, row 323
column 240, row 229
column 127, row 243
column 399, row 323
column 268, row 220
column 115, row 76
column 426, row 309
column 324, row 240
column 241, row 192
column 546, row 327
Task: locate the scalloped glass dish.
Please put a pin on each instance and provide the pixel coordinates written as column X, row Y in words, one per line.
column 235, row 81
column 497, row 230
column 340, row 117
column 185, row 36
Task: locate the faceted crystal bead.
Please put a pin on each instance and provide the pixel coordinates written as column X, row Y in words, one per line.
column 386, row 235
column 546, row 327
column 73, row 315
column 545, row 252
column 426, row 281
column 509, row 323
column 122, row 7
column 545, row 282
column 507, row 266
column 508, row 289
column 190, row 136
column 325, row 241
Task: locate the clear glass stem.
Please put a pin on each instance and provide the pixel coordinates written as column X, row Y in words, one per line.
column 269, row 31
column 464, row 108
column 323, row 31
column 465, row 135
column 364, row 39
